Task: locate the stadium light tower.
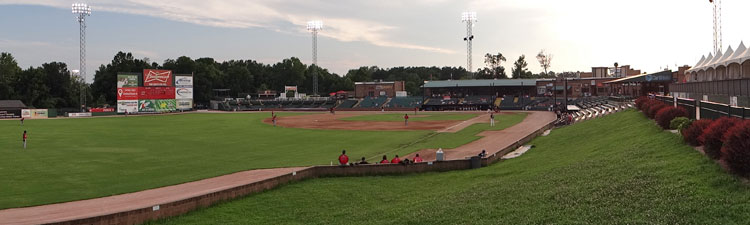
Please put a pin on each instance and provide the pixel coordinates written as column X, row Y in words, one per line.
column 82, row 10
column 314, row 26
column 717, row 25
column 469, row 18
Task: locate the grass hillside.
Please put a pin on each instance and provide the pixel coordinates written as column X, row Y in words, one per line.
column 620, row 169
column 73, row 159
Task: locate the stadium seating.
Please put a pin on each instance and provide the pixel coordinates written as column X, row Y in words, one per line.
column 372, row 102
column 347, row 104
column 405, row 102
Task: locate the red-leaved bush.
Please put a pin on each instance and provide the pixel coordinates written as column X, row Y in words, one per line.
column 654, row 108
column 692, row 133
column 713, row 136
column 640, row 101
column 646, row 105
column 736, row 150
column 665, row 115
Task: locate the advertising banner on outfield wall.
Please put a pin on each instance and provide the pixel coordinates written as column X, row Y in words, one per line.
column 157, row 78
column 183, row 93
column 183, row 81
column 127, row 93
column 34, row 113
column 184, row 104
column 157, row 105
column 88, row 114
column 8, row 114
column 156, row 93
column 127, row 80
column 127, row 106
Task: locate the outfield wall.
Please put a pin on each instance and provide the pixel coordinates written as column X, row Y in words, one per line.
column 176, row 208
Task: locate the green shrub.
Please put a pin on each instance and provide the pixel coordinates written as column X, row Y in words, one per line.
column 679, row 123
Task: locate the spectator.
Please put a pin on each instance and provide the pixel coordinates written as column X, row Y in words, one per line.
column 417, row 159
column 363, row 162
column 483, row 153
column 384, row 161
column 395, row 160
column 406, row 162
column 343, row 159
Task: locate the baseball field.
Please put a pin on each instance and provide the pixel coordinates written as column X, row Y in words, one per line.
column 620, row 169
column 74, row 159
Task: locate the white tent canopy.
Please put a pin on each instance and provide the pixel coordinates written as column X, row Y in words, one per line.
column 723, row 58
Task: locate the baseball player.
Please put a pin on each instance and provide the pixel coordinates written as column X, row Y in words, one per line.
column 25, row 136
column 492, row 119
column 406, row 119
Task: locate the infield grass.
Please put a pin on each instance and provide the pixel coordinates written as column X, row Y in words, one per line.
column 73, row 159
column 620, row 169
column 421, row 116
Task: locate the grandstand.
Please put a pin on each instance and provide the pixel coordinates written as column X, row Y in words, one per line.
column 373, row 102
column 404, row 102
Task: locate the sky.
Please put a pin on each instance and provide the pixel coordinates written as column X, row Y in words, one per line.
column 647, row 34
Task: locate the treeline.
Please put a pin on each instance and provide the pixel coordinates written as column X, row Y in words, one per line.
column 53, row 86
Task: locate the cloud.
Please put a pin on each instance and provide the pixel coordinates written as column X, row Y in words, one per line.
column 286, row 17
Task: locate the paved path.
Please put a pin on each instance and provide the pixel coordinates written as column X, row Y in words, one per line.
column 119, row 203
column 493, row 141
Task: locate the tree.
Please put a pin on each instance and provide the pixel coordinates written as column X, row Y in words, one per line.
column 494, row 69
column 545, row 60
column 519, row 68
column 9, row 72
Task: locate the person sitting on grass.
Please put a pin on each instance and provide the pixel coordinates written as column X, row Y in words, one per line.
column 343, row 159
column 363, row 162
column 385, row 160
column 395, row 160
column 417, row 159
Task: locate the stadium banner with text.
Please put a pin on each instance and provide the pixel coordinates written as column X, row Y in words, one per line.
column 102, row 110
column 127, row 93
column 183, row 81
column 156, row 93
column 183, row 93
column 8, row 114
column 127, row 106
column 34, row 113
column 88, row 114
column 157, row 78
column 184, row 104
column 157, row 105
column 127, row 80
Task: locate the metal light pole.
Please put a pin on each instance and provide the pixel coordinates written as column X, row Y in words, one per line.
column 314, row 26
column 717, row 25
column 469, row 18
column 81, row 10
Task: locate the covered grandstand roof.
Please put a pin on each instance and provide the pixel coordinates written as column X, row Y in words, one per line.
column 479, row 83
column 645, row 78
column 740, row 55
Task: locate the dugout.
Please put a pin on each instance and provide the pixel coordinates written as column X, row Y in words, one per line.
column 11, row 109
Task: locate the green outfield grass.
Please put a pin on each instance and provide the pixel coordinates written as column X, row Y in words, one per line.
column 620, row 169
column 421, row 116
column 73, row 159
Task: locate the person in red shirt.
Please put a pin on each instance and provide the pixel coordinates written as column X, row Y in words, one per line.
column 273, row 119
column 417, row 159
column 395, row 160
column 406, row 119
column 343, row 159
column 385, row 160
column 24, row 139
column 22, row 121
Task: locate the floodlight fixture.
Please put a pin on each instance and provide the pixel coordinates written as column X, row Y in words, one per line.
column 314, row 25
column 81, row 11
column 469, row 16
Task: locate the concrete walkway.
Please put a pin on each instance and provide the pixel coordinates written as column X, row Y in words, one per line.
column 493, row 141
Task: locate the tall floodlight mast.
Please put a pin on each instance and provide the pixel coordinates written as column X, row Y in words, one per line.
column 717, row 25
column 469, row 18
column 314, row 26
column 82, row 10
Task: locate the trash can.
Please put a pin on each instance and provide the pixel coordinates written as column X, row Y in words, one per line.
column 476, row 162
column 439, row 155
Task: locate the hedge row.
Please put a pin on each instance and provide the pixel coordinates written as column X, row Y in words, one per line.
column 726, row 139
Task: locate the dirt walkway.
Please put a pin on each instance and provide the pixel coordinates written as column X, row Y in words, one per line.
column 493, row 141
column 60, row 212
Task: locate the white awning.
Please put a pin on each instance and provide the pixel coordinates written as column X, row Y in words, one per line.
column 573, row 108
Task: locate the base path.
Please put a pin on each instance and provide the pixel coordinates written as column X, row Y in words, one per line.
column 492, row 141
column 329, row 121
